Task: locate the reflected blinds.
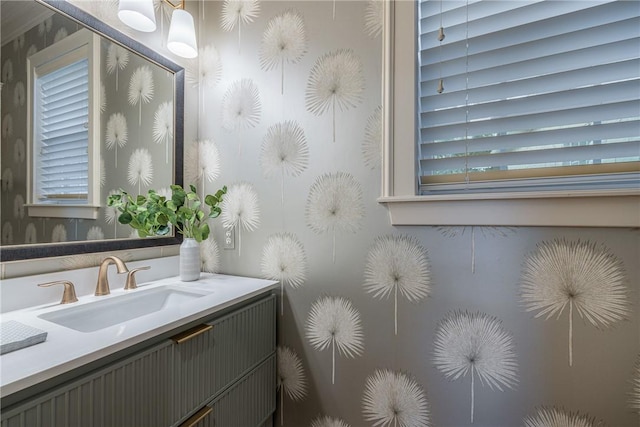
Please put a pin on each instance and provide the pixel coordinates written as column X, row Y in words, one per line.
column 536, row 94
column 62, row 128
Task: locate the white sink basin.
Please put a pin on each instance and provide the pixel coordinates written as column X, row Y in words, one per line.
column 98, row 315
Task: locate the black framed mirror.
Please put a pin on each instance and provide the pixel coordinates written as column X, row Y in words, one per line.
column 170, row 156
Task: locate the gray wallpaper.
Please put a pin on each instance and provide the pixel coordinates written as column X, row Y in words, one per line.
column 382, row 325
column 136, row 127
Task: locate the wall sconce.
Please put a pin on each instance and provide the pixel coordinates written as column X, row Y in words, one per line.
column 139, row 15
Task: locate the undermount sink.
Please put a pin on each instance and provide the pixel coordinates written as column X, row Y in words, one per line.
column 98, row 315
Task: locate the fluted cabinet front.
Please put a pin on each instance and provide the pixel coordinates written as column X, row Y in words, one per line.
column 134, row 392
column 208, row 363
column 249, row 402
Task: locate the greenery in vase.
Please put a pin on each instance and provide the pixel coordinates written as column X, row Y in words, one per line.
column 153, row 214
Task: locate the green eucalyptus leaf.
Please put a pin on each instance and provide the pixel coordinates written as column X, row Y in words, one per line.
column 125, row 218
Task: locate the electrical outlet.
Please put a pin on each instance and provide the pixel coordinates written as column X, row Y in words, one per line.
column 229, row 238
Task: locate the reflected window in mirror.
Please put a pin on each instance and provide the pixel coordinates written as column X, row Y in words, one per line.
column 137, row 90
column 63, row 133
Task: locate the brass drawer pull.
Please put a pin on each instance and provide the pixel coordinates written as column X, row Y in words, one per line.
column 191, row 333
column 197, row 417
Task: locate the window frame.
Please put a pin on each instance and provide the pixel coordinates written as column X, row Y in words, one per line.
column 579, row 208
column 81, row 39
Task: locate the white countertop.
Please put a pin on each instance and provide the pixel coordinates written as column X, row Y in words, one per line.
column 66, row 349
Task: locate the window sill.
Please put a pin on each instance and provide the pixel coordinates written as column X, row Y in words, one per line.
column 64, row 211
column 549, row 209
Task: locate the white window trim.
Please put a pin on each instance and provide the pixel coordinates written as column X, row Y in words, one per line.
column 619, row 208
column 91, row 208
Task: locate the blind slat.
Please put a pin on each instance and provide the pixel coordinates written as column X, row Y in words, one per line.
column 527, row 84
column 598, row 153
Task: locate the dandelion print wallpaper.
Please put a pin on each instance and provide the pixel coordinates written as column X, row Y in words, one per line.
column 382, row 325
column 379, row 325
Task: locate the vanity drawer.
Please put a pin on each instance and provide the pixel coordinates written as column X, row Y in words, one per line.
column 250, row 402
column 209, row 361
column 132, row 392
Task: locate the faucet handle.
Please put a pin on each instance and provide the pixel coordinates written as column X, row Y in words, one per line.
column 131, row 278
column 69, row 294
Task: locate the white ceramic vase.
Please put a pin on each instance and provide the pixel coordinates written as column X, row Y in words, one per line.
column 189, row 260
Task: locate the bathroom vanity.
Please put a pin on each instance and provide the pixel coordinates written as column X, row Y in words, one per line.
column 206, row 356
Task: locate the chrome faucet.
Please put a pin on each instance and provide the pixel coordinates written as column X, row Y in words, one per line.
column 102, row 287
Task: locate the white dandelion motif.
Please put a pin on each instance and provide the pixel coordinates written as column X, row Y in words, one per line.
column 336, row 78
column 202, row 163
column 140, row 168
column 209, row 256
column 19, row 151
column 141, row 88
column 634, row 396
column 61, row 34
column 19, row 95
column 7, row 233
column 454, row 231
column 284, row 259
column 394, row 398
column 163, row 126
column 578, row 274
column 205, row 71
column 397, row 263
column 111, row 214
column 373, row 18
column 103, row 98
column 165, row 192
column 241, row 106
column 7, row 125
column 107, row 10
column 240, row 209
column 30, row 234
column 333, row 321
column 554, row 417
column 291, row 378
column 117, row 133
column 327, row 421
column 95, row 233
column 475, row 344
column 59, row 234
column 44, row 27
column 103, row 173
column 7, row 71
column 165, row 10
column 18, row 42
column 117, row 59
column 18, row 208
column 372, row 144
column 32, row 50
column 7, row 182
column 284, row 40
column 335, row 205
column 284, row 151
column 238, row 12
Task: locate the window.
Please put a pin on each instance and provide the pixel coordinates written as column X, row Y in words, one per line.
column 62, row 129
column 538, row 120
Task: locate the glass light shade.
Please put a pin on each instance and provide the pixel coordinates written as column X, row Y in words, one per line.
column 182, row 35
column 138, row 14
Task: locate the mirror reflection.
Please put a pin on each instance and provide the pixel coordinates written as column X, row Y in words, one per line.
column 120, row 132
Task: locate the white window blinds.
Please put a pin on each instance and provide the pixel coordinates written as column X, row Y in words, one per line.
column 534, row 95
column 61, row 129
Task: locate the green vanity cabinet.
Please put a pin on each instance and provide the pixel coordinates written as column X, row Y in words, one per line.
column 220, row 372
